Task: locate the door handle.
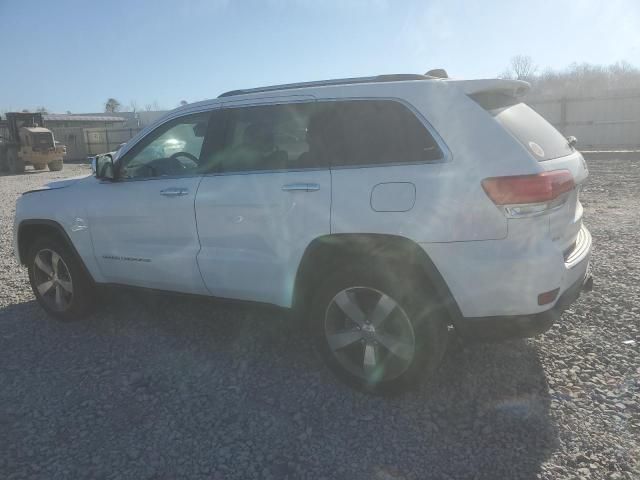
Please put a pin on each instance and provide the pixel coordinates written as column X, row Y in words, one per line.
column 174, row 192
column 305, row 187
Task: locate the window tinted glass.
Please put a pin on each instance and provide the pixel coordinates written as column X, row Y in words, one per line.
column 533, row 131
column 171, row 150
column 270, row 137
column 317, row 135
column 363, row 132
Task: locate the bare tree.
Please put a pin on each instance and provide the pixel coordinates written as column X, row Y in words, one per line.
column 521, row 67
column 112, row 105
column 586, row 79
column 183, row 103
column 152, row 107
column 42, row 110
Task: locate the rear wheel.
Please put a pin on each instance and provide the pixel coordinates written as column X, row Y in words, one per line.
column 39, row 166
column 376, row 332
column 16, row 164
column 4, row 166
column 56, row 165
column 58, row 280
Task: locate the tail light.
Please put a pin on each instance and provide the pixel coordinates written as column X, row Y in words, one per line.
column 529, row 195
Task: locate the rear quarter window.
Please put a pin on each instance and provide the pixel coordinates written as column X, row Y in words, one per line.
column 531, row 129
column 372, row 132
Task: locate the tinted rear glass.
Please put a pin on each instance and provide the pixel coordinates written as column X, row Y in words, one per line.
column 373, row 132
column 533, row 131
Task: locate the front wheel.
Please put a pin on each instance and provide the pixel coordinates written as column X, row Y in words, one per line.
column 58, row 280
column 379, row 331
column 56, row 165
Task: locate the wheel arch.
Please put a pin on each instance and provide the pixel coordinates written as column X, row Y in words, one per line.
column 328, row 252
column 30, row 230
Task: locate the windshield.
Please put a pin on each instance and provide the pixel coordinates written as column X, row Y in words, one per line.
column 42, row 140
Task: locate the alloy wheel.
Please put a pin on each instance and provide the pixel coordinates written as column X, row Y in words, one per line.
column 52, row 279
column 369, row 334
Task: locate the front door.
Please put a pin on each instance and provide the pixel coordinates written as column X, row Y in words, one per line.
column 264, row 201
column 143, row 224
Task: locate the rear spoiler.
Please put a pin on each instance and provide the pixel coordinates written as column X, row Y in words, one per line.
column 494, row 94
column 512, row 88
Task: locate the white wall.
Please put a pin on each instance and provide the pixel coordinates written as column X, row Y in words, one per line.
column 608, row 121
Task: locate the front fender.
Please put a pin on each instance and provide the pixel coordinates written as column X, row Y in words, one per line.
column 65, row 211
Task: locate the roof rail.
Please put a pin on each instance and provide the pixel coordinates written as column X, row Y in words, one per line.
column 323, row 83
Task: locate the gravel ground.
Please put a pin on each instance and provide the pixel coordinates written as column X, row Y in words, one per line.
column 154, row 387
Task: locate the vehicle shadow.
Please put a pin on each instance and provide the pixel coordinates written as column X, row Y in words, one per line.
column 242, row 382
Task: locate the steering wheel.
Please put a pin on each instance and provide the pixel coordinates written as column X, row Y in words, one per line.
column 175, row 156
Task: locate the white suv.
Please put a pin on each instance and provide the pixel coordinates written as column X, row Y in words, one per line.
column 382, row 209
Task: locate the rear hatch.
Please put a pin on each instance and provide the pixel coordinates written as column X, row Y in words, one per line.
column 545, row 144
column 566, row 222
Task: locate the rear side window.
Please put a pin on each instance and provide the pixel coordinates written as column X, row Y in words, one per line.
column 533, row 131
column 370, row 132
column 266, row 137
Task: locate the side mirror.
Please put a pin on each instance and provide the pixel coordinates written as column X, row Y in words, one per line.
column 102, row 166
column 573, row 141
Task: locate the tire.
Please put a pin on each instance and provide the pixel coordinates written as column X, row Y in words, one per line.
column 39, row 166
column 4, row 165
column 415, row 329
column 75, row 287
column 16, row 164
column 56, row 165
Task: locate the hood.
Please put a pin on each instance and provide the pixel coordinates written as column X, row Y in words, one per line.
column 66, row 182
column 61, row 183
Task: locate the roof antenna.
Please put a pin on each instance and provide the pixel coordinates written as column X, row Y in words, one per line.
column 437, row 73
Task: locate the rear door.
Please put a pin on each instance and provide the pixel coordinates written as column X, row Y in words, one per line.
column 262, row 202
column 386, row 171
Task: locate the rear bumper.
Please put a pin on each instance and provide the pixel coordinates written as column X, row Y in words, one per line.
column 521, row 326
column 503, row 278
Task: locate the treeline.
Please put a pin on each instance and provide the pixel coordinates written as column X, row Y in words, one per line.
column 578, row 79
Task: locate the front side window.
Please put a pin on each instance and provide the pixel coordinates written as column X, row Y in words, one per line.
column 171, row 150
